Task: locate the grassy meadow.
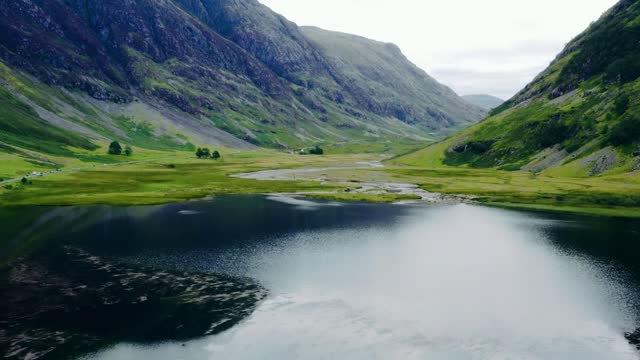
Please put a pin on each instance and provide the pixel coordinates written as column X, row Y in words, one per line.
column 155, row 177
column 169, row 177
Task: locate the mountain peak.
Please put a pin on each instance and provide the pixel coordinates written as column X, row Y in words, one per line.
column 208, row 71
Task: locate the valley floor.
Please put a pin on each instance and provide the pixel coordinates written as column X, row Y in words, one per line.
column 154, row 178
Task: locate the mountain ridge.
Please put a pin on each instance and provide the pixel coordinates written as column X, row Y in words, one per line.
column 373, row 76
column 488, row 102
column 221, row 72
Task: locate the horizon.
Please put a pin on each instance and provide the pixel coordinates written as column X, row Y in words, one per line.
column 504, row 55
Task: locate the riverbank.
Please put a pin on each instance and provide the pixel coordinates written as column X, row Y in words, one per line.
column 178, row 177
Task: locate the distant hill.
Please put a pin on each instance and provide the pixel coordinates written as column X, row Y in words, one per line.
column 170, row 74
column 487, row 102
column 579, row 117
column 383, row 80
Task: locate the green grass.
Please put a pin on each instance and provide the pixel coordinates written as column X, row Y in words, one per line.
column 21, row 126
column 141, row 133
column 164, row 177
column 13, row 166
column 397, row 146
column 432, row 156
column 611, row 194
column 177, row 178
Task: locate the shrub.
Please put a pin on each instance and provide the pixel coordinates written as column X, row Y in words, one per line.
column 621, row 104
column 573, row 148
column 215, row 155
column 475, row 147
column 553, row 132
column 128, row 150
column 623, row 70
column 203, row 153
column 316, row 151
column 625, row 132
column 115, row 148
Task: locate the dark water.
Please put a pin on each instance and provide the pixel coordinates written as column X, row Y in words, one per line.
column 365, row 281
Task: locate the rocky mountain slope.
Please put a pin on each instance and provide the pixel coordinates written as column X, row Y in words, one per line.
column 580, row 117
column 488, row 102
column 382, row 79
column 167, row 74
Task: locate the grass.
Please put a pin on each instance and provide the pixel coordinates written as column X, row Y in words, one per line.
column 163, row 177
column 13, row 166
column 179, row 177
column 21, row 126
column 613, row 195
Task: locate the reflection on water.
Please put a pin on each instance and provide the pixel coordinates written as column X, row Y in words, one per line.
column 363, row 281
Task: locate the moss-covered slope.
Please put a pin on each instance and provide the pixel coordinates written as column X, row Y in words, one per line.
column 579, row 117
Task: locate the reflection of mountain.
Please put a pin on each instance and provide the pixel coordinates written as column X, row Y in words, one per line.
column 68, row 302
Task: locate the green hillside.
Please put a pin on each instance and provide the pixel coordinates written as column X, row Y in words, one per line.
column 75, row 75
column 580, row 117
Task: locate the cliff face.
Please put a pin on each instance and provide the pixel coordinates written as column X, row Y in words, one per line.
column 212, row 71
column 75, row 42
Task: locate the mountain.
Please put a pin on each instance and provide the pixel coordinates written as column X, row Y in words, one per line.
column 167, row 74
column 579, row 117
column 487, row 102
column 384, row 80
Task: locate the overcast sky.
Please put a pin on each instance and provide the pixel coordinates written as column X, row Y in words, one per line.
column 474, row 46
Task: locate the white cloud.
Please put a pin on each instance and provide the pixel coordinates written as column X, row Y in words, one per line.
column 474, row 46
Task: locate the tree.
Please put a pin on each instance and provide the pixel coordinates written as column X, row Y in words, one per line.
column 203, row 153
column 316, row 151
column 24, row 181
column 128, row 150
column 627, row 131
column 215, row 155
column 623, row 70
column 115, row 148
column 621, row 104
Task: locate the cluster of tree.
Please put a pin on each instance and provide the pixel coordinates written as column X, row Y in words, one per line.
column 205, row 153
column 623, row 70
column 627, row 131
column 621, row 104
column 316, row 151
column 610, row 47
column 116, row 149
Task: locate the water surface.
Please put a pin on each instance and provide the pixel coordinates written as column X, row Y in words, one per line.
column 367, row 281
